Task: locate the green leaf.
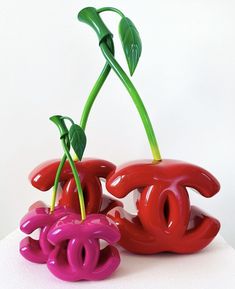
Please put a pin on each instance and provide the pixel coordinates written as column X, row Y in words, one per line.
column 77, row 139
column 131, row 42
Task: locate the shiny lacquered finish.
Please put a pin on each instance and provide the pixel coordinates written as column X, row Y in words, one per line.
column 39, row 217
column 108, row 203
column 165, row 221
column 90, row 171
column 77, row 254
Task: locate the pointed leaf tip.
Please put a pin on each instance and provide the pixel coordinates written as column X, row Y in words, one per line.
column 77, row 138
column 131, row 43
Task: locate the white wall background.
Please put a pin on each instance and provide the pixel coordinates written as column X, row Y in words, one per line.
column 49, row 62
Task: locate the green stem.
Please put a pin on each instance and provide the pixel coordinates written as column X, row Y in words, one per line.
column 96, row 89
column 85, row 114
column 56, row 183
column 136, row 99
column 77, row 180
column 94, row 92
column 68, row 118
column 112, row 9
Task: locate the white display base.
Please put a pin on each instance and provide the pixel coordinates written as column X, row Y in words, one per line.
column 212, row 268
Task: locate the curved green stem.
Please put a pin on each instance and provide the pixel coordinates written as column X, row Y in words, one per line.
column 112, row 9
column 76, row 178
column 94, row 92
column 57, row 176
column 90, row 16
column 85, row 114
column 56, row 183
column 68, row 118
column 97, row 86
column 136, row 99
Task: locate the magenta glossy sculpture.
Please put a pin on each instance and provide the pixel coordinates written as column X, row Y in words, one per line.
column 70, row 246
column 77, row 254
column 37, row 251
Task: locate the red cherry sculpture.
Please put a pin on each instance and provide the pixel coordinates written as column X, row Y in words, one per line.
column 108, row 203
column 90, row 172
column 165, row 221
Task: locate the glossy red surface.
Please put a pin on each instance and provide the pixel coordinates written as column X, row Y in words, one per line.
column 90, row 171
column 165, row 221
column 108, row 203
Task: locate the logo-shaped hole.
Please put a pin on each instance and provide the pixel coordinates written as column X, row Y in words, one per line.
column 83, row 255
column 166, row 210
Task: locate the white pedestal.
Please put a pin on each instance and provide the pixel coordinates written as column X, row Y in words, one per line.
column 212, row 268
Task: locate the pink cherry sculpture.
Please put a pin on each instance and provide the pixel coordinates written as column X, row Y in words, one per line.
column 77, row 254
column 39, row 217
